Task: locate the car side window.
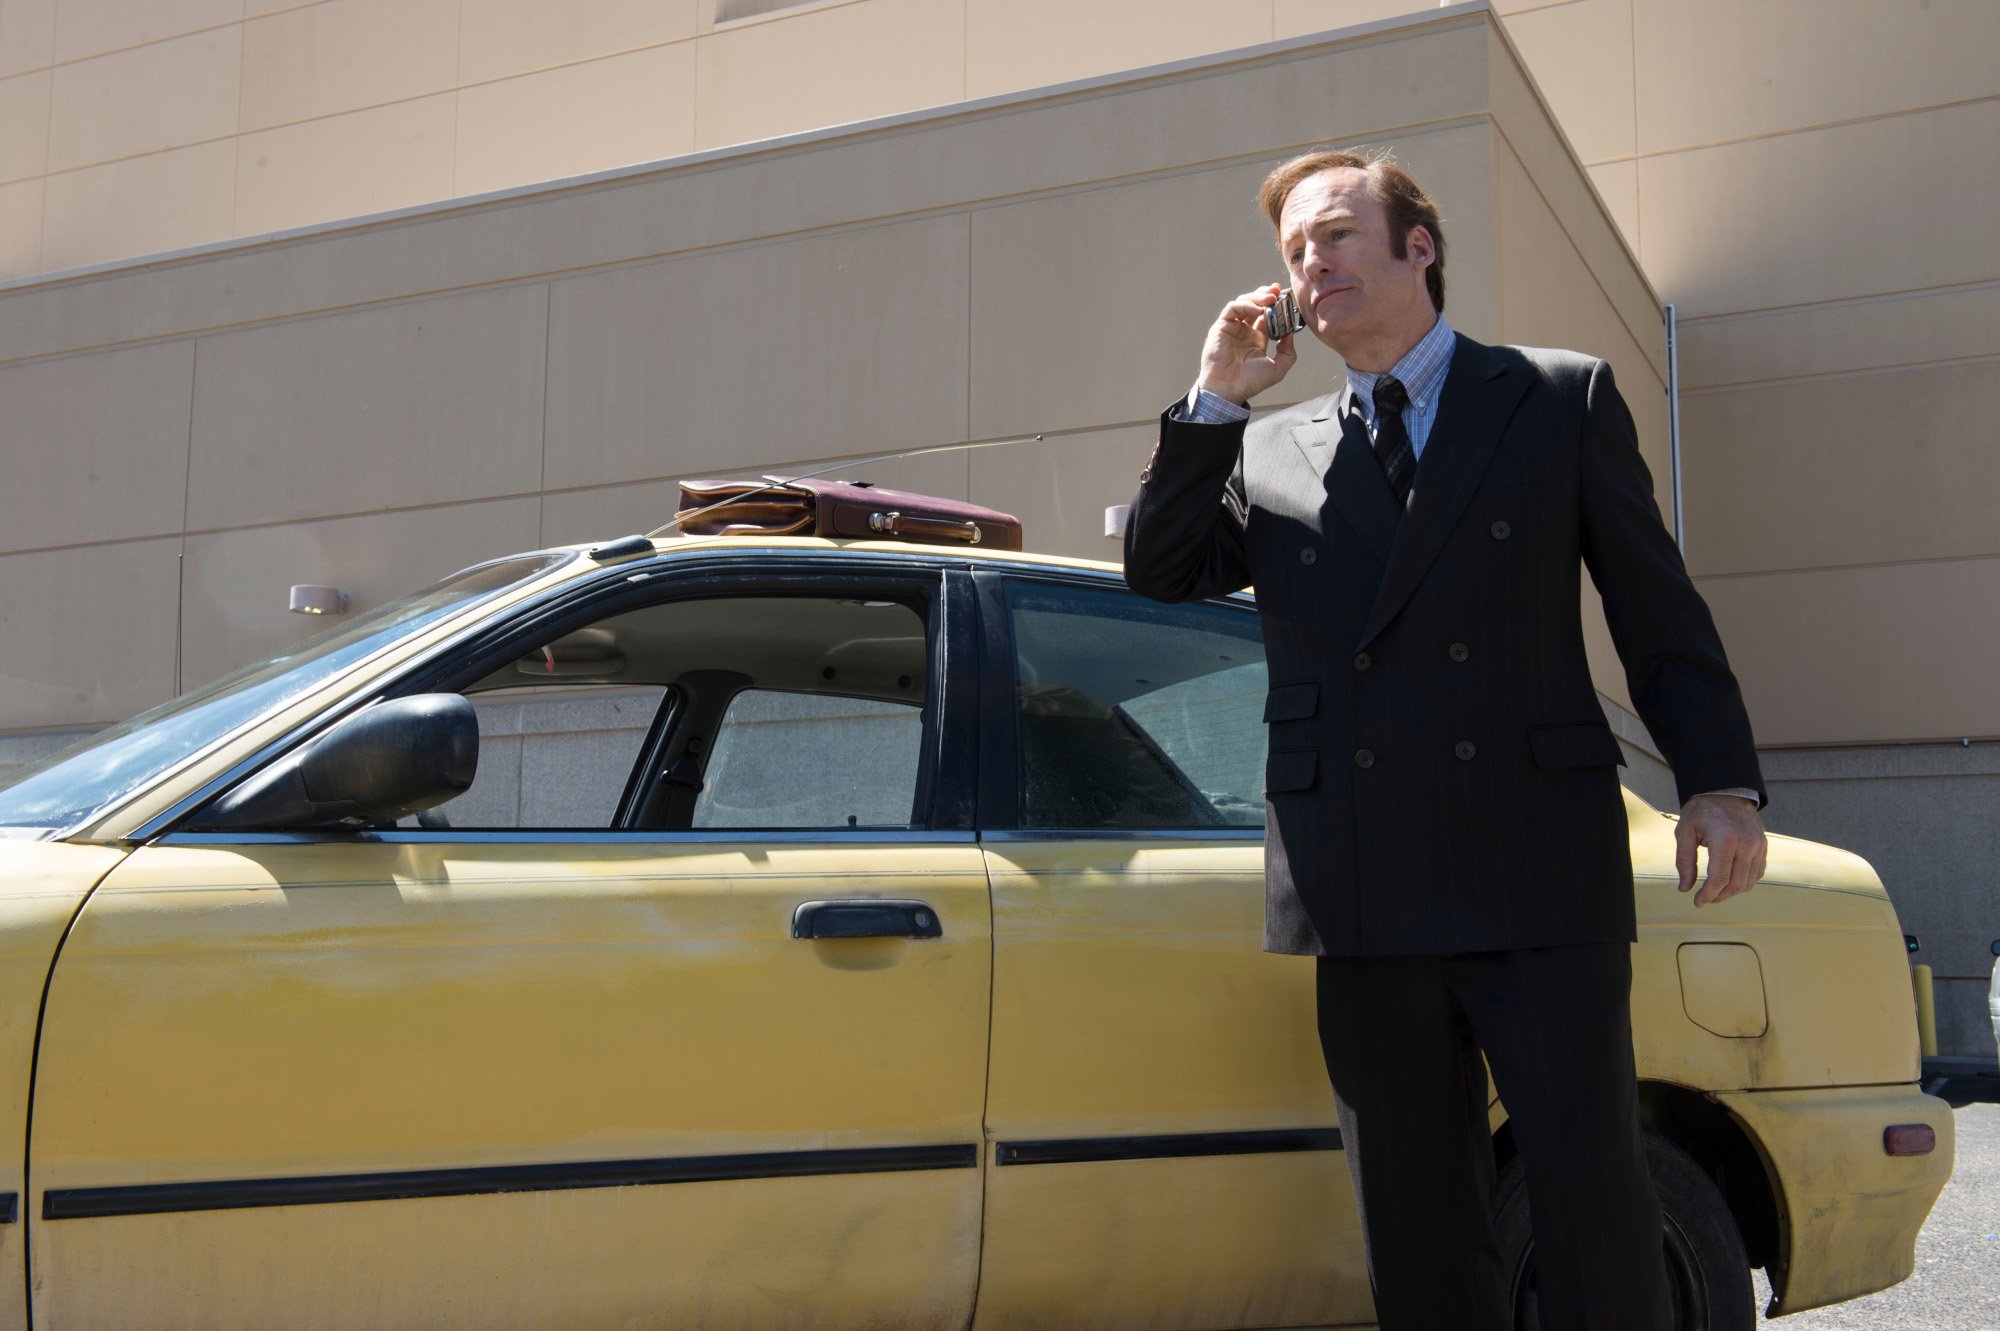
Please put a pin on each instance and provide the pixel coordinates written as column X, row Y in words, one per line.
column 809, row 760
column 1132, row 714
column 755, row 711
column 554, row 755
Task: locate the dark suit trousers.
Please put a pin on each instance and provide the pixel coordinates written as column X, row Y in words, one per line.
column 1402, row 1037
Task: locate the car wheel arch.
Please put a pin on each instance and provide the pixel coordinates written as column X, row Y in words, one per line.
column 1725, row 1151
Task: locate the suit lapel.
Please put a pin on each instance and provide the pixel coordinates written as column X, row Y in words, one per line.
column 1341, row 458
column 1481, row 391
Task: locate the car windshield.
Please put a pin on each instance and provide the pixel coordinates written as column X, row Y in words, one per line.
column 68, row 787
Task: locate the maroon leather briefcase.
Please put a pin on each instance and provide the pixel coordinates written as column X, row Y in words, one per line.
column 854, row 509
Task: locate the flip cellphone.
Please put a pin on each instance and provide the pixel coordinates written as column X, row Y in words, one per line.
column 1283, row 319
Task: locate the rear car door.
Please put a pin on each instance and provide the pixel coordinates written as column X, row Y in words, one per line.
column 681, row 1021
column 1165, row 1149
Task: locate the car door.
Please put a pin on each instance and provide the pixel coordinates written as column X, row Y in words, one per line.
column 1165, row 1148
column 585, row 1057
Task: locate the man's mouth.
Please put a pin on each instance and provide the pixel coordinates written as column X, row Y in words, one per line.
column 1329, row 294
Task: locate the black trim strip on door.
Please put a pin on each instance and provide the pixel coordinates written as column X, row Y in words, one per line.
column 320, row 1190
column 1077, row 1150
column 10, row 1208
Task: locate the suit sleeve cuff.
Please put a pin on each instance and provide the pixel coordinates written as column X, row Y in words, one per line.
column 1202, row 407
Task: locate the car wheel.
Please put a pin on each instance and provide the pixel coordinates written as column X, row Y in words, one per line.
column 1708, row 1273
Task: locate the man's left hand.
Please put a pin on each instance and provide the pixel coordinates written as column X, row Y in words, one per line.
column 1734, row 834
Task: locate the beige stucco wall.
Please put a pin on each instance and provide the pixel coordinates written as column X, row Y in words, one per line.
column 375, row 405
column 1806, row 180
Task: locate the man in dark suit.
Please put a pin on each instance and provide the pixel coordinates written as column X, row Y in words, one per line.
column 1446, row 831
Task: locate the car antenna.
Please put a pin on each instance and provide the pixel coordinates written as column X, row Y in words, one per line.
column 782, row 482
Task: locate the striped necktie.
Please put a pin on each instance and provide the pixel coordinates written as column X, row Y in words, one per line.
column 1392, row 441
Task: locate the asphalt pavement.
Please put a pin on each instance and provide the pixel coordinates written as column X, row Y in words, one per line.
column 1956, row 1286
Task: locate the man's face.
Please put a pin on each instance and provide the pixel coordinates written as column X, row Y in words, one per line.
column 1354, row 293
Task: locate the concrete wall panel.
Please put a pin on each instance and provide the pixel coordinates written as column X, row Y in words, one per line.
column 1828, row 214
column 1909, row 328
column 170, row 199
column 1299, row 18
column 86, row 635
column 854, row 342
column 1857, row 469
column 1863, row 655
column 895, row 55
column 501, row 38
column 1617, row 184
column 1068, row 336
column 1059, row 488
column 1429, row 72
column 414, row 404
column 579, row 118
column 1712, row 71
column 342, row 55
column 27, row 34
column 96, row 446
column 1567, row 191
column 1012, row 44
column 1550, row 297
column 1580, row 55
column 91, row 27
column 351, row 165
column 1042, row 279
column 151, row 97
column 21, row 228
column 237, row 581
column 24, row 124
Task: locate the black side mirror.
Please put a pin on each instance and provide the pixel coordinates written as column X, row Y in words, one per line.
column 1996, row 947
column 1910, row 942
column 396, row 758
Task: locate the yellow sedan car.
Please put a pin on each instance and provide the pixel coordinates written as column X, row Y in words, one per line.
column 776, row 933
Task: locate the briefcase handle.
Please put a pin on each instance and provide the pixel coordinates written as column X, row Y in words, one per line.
column 895, row 523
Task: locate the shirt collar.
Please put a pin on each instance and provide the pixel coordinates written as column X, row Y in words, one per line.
column 1421, row 370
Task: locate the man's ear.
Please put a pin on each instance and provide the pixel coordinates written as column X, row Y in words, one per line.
column 1418, row 245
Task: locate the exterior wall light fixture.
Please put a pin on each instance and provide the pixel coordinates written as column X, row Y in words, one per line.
column 1115, row 518
column 311, row 599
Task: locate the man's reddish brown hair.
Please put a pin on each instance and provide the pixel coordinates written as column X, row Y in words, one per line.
column 1398, row 192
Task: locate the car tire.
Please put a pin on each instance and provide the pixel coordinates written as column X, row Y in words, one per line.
column 1708, row 1272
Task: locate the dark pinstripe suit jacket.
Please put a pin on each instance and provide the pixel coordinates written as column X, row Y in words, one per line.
column 1441, row 777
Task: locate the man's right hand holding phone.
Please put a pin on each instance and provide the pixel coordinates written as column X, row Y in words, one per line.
column 1238, row 360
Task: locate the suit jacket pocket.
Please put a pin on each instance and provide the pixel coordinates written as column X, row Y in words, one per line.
column 1588, row 745
column 1291, row 769
column 1291, row 702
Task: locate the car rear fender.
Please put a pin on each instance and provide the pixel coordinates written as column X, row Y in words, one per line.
column 1848, row 1211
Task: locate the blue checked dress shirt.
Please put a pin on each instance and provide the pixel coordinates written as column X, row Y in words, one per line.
column 1421, row 370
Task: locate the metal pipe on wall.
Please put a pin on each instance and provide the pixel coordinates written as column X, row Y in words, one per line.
column 1674, row 424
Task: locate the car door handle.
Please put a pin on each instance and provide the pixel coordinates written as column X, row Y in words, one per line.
column 865, row 919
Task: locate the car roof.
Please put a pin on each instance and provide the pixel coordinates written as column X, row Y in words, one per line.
column 666, row 545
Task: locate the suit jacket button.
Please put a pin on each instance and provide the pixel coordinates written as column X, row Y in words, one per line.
column 1501, row 531
column 1308, row 556
column 1363, row 660
column 1465, row 750
column 1458, row 651
column 1363, row 758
